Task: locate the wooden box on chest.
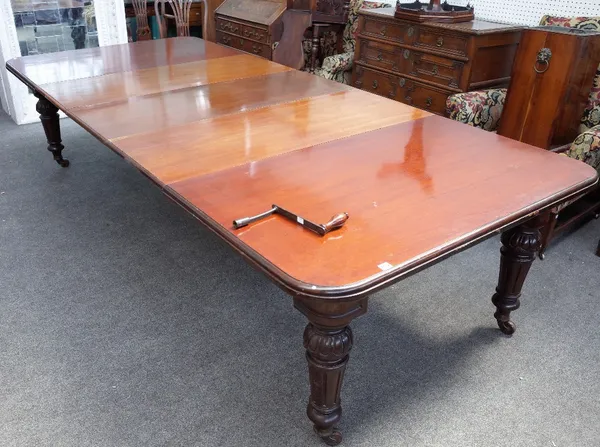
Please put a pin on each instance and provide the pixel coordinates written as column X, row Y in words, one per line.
column 250, row 25
column 421, row 64
column 550, row 86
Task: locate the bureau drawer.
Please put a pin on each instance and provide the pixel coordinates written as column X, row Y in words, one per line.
column 442, row 71
column 376, row 54
column 254, row 33
column 228, row 27
column 401, row 89
column 441, row 42
column 394, row 32
column 246, row 45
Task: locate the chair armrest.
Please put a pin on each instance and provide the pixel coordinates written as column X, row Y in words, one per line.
column 586, row 148
column 479, row 109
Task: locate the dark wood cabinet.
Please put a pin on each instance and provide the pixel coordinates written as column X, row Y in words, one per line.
column 423, row 63
column 551, row 82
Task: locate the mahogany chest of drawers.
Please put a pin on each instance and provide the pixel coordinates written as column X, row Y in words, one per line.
column 252, row 26
column 421, row 64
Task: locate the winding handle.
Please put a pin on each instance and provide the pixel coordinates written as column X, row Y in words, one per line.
column 335, row 223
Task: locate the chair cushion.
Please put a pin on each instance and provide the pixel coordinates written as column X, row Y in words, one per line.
column 586, row 148
column 478, row 108
column 591, row 114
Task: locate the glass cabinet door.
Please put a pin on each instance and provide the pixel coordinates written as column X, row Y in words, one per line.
column 48, row 26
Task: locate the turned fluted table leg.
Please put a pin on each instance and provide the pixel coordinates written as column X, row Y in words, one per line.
column 328, row 340
column 520, row 246
column 51, row 123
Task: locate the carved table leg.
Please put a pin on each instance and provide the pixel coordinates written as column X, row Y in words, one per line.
column 50, row 120
column 328, row 340
column 519, row 249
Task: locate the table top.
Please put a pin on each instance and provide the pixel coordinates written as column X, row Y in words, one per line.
column 227, row 135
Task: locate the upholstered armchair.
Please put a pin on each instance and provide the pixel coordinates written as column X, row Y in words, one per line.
column 337, row 67
column 483, row 109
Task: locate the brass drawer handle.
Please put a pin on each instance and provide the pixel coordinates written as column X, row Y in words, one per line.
column 375, row 84
column 256, row 49
column 392, row 94
column 380, row 57
column 411, row 31
column 402, row 82
column 428, row 102
column 440, row 41
column 383, row 30
column 226, row 40
column 241, row 42
column 434, row 69
column 406, row 54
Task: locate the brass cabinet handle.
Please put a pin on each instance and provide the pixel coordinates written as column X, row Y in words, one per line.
column 391, row 94
column 375, row 84
column 428, row 102
column 440, row 41
column 256, row 49
column 226, row 40
column 408, row 99
column 411, row 31
column 383, row 30
column 434, row 69
column 402, row 82
column 380, row 57
column 241, row 42
column 406, row 54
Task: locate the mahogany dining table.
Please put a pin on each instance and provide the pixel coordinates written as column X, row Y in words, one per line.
column 226, row 135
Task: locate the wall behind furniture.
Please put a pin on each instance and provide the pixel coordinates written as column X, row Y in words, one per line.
column 529, row 12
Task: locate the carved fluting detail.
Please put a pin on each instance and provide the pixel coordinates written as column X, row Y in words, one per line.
column 327, row 352
column 327, row 345
column 519, row 249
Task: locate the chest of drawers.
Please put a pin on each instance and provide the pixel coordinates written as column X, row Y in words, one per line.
column 421, row 64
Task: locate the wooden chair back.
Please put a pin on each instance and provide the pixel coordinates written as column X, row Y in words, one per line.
column 180, row 14
column 140, row 8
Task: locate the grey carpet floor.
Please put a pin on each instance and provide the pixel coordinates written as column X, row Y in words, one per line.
column 124, row 323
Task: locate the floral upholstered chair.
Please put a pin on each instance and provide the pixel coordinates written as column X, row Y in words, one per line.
column 337, row 67
column 483, row 109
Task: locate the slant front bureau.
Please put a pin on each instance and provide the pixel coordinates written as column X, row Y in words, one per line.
column 421, row 64
column 227, row 134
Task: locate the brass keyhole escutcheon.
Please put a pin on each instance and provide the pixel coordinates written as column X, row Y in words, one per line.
column 380, row 57
column 375, row 84
column 411, row 31
column 428, row 102
column 241, row 42
column 440, row 41
column 406, row 54
column 402, row 82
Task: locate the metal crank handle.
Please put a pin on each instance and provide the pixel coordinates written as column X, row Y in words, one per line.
column 239, row 223
column 335, row 223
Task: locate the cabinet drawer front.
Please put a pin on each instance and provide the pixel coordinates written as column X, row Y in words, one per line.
column 401, row 89
column 246, row 45
column 381, row 55
column 196, row 14
column 441, row 42
column 442, row 71
column 395, row 32
column 254, row 33
column 229, row 27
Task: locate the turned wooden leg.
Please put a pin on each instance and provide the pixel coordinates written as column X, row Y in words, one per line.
column 314, row 51
column 51, row 123
column 519, row 249
column 328, row 340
